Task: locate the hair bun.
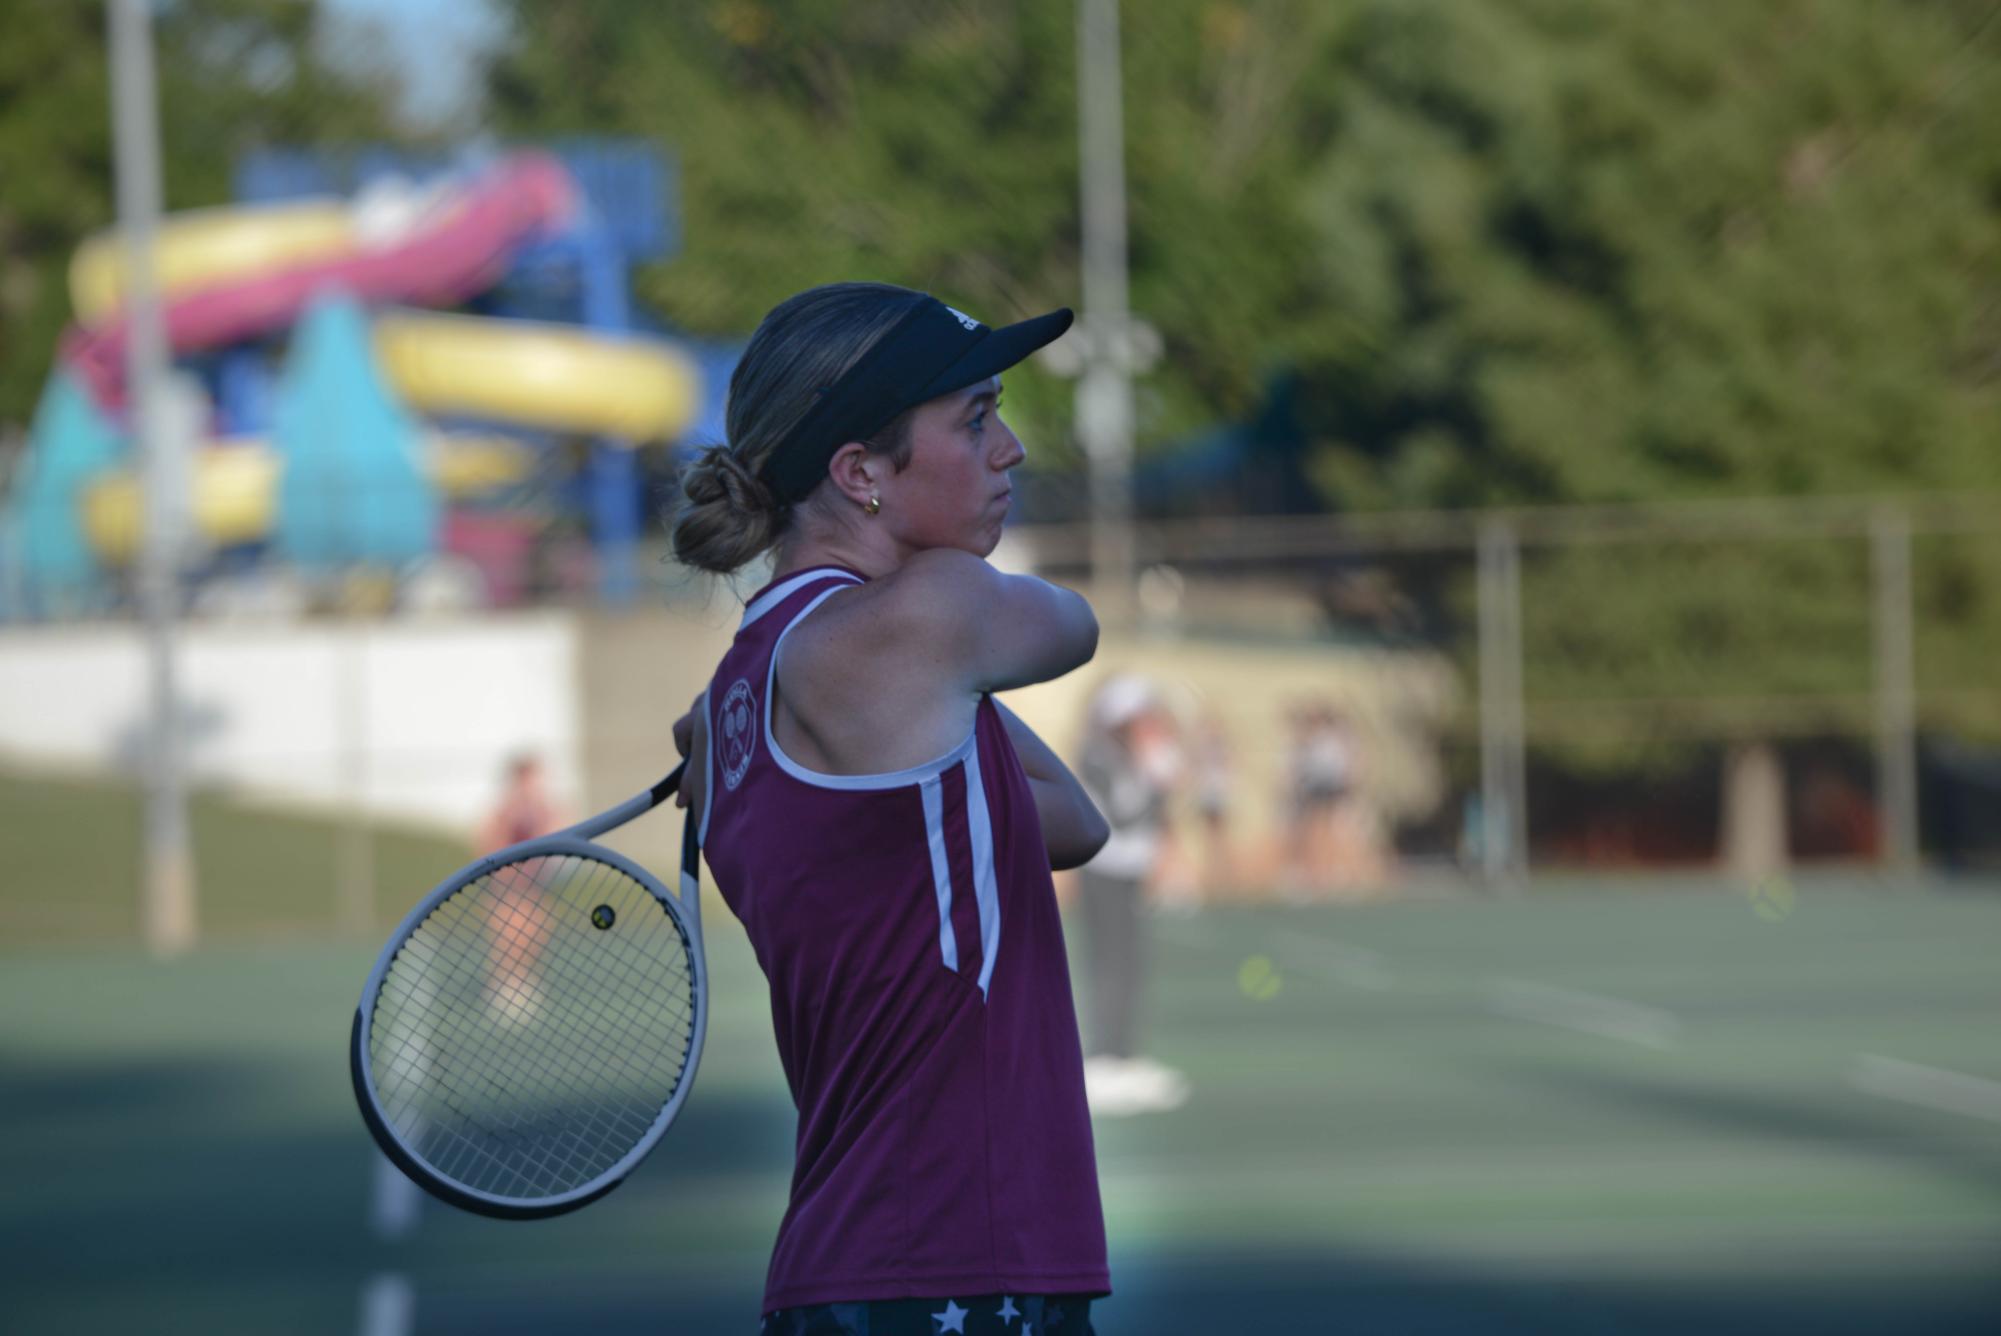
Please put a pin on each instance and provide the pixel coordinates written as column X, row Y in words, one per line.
column 731, row 515
column 719, row 476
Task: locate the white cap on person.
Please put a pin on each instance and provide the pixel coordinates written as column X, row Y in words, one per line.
column 1120, row 700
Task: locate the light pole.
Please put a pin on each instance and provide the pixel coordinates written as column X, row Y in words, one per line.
column 1104, row 389
column 169, row 888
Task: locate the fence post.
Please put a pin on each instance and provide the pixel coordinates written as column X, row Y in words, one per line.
column 1503, row 759
column 1896, row 699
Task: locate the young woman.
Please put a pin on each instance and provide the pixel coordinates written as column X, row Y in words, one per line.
column 885, row 829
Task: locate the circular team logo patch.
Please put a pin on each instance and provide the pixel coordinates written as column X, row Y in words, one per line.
column 738, row 721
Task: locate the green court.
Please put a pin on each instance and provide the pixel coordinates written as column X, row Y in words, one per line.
column 1592, row 1109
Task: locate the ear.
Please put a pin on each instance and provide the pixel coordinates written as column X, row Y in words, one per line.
column 856, row 472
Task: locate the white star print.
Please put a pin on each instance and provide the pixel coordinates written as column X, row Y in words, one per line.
column 1008, row 1312
column 952, row 1319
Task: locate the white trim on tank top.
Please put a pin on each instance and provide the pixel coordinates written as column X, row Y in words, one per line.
column 708, row 770
column 888, row 779
column 928, row 779
column 772, row 597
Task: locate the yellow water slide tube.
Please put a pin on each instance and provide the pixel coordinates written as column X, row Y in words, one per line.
column 553, row 377
column 234, row 489
column 210, row 246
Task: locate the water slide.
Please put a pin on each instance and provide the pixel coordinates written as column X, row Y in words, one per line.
column 550, row 377
column 228, row 275
column 233, row 488
column 436, row 248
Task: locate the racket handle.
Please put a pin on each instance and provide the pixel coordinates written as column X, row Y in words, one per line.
column 666, row 788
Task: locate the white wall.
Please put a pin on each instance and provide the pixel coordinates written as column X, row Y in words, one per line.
column 416, row 720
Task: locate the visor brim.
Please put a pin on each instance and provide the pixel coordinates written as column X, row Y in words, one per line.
column 999, row 350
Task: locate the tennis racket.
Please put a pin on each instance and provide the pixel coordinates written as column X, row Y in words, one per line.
column 534, row 1024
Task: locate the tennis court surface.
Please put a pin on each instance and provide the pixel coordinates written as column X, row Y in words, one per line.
column 1594, row 1109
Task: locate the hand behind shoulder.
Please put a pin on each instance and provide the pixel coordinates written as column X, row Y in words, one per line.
column 889, row 675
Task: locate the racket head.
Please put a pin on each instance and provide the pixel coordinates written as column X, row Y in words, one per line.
column 518, row 1050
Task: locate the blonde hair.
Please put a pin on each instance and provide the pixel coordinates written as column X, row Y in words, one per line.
column 729, row 515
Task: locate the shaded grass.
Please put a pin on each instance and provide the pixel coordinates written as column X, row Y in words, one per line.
column 72, row 853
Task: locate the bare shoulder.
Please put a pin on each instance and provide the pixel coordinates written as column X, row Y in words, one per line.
column 940, row 588
column 917, row 601
column 970, row 625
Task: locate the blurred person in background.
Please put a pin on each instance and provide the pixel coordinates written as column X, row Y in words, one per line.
column 1321, row 777
column 518, row 927
column 1130, row 768
column 524, row 810
column 1214, row 779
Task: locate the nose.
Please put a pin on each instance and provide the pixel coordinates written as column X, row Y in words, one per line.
column 1013, row 452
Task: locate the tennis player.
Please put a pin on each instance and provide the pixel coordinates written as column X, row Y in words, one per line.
column 885, row 829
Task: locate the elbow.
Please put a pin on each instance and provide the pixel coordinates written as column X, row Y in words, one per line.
column 1083, row 844
column 1085, row 637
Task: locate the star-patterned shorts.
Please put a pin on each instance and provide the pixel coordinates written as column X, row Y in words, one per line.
column 981, row 1315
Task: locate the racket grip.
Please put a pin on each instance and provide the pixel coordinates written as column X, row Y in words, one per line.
column 667, row 787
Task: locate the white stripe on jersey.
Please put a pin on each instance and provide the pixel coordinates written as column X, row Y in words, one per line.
column 933, row 791
column 979, row 822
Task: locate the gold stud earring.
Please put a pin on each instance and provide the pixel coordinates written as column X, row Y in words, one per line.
column 874, row 504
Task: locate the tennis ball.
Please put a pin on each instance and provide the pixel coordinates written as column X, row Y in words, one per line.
column 1771, row 899
column 1258, row 979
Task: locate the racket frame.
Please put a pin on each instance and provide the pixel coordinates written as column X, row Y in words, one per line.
column 575, row 841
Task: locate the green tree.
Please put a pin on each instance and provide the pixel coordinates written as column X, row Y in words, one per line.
column 1516, row 252
column 233, row 74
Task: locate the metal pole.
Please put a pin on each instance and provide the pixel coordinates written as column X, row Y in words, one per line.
column 1896, row 697
column 1517, row 753
column 356, row 862
column 1104, row 391
column 1503, row 762
column 169, row 913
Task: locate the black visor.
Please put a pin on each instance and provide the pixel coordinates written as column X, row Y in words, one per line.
column 932, row 350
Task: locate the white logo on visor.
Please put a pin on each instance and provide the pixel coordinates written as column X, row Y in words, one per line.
column 963, row 318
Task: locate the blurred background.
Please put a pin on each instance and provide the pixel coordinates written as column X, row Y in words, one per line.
column 1536, row 462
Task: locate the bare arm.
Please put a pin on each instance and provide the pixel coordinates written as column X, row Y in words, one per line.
column 691, row 739
column 1072, row 828
column 993, row 631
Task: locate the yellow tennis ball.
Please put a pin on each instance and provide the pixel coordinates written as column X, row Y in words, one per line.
column 1772, row 899
column 1258, row 979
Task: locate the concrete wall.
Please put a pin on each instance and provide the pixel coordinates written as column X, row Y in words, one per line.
column 412, row 720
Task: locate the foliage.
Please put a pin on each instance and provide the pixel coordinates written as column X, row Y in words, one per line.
column 232, row 74
column 1515, row 252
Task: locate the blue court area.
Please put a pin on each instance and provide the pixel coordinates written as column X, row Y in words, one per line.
column 1595, row 1109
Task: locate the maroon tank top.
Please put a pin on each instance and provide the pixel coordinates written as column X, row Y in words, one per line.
column 920, row 997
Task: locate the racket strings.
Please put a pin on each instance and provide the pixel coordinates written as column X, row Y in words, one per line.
column 454, row 1152
column 516, row 1134
column 521, row 1050
column 558, row 1067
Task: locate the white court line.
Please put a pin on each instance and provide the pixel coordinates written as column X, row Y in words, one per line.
column 388, row 1300
column 392, row 1207
column 1932, row 1087
column 1590, row 1012
column 387, row 1305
